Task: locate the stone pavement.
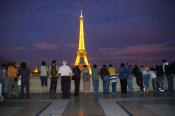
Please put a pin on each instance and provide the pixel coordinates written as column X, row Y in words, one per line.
column 153, row 104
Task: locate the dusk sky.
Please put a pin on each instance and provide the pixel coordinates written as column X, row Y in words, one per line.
column 135, row 31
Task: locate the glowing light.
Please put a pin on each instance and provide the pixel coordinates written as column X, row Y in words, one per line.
column 81, row 48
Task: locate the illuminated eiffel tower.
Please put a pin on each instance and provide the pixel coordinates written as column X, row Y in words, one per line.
column 81, row 48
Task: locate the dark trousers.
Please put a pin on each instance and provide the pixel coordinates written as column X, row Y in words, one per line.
column 170, row 84
column 139, row 81
column 65, row 86
column 123, row 83
column 77, row 85
column 26, row 86
column 53, row 85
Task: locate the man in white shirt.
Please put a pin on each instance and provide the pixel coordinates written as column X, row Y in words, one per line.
column 66, row 72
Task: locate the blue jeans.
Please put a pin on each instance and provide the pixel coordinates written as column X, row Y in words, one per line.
column 106, row 81
column 130, row 84
column 159, row 83
column 113, row 87
column 95, row 85
column 146, row 79
column 170, row 85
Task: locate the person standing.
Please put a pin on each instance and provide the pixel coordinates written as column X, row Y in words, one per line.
column 169, row 73
column 43, row 76
column 53, row 71
column 25, row 81
column 106, row 80
column 113, row 78
column 153, row 78
column 130, row 78
column 66, row 72
column 12, row 73
column 76, row 78
column 2, row 78
column 159, row 74
column 146, row 79
column 139, row 78
column 123, row 78
column 95, row 79
column 86, row 79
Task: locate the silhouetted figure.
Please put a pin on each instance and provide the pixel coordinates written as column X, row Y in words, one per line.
column 66, row 72
column 25, row 81
column 95, row 79
column 76, row 78
column 169, row 72
column 106, row 79
column 53, row 70
column 43, row 76
column 86, row 79
column 113, row 78
column 139, row 78
column 123, row 78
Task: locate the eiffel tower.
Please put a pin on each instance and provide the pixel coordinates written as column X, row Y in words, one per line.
column 81, row 53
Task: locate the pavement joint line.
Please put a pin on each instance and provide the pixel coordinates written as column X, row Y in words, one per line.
column 44, row 108
column 41, row 101
column 140, row 99
column 129, row 113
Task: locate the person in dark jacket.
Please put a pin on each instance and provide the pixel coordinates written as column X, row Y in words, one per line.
column 159, row 74
column 25, row 74
column 139, row 78
column 106, row 80
column 76, row 78
column 169, row 74
column 123, row 78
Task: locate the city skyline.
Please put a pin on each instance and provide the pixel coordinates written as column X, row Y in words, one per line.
column 139, row 32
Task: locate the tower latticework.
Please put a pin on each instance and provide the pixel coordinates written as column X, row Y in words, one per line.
column 81, row 53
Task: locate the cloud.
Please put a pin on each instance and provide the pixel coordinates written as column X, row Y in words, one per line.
column 48, row 46
column 139, row 49
column 8, row 49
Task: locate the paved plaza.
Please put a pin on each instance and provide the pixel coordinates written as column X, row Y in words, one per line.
column 153, row 104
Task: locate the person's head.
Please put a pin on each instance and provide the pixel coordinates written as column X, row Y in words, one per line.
column 164, row 60
column 23, row 65
column 110, row 65
column 94, row 66
column 122, row 65
column 53, row 62
column 13, row 64
column 77, row 66
column 85, row 66
column 43, row 63
column 104, row 66
column 64, row 62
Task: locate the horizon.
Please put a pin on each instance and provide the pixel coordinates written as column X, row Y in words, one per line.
column 138, row 32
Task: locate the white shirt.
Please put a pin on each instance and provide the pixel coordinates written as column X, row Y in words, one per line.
column 43, row 70
column 153, row 74
column 145, row 72
column 65, row 70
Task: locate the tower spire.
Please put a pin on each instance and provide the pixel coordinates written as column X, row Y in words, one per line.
column 81, row 14
column 81, row 53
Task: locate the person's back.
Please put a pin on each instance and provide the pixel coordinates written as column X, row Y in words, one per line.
column 76, row 71
column 104, row 72
column 43, row 71
column 112, row 71
column 95, row 73
column 122, row 73
column 25, row 74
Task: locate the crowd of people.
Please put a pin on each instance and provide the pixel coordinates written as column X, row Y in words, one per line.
column 15, row 80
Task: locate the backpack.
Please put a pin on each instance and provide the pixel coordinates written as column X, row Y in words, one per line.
column 53, row 70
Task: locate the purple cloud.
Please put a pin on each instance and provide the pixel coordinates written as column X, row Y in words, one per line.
column 48, row 46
